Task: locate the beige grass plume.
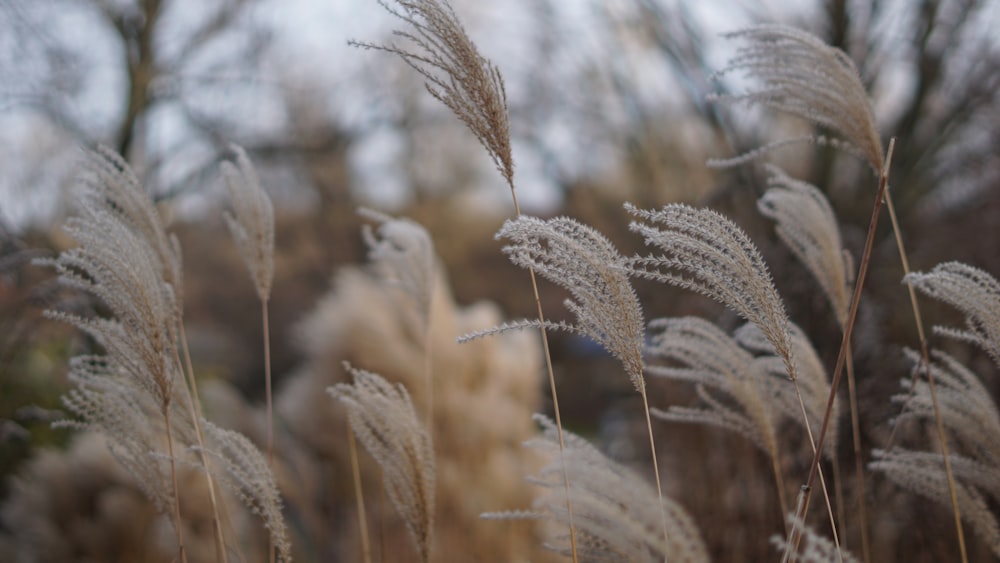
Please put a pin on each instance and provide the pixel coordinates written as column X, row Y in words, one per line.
column 703, row 251
column 385, row 422
column 252, row 221
column 129, row 393
column 808, row 227
column 243, row 468
column 813, row 548
column 585, row 263
column 969, row 414
column 616, row 513
column 972, row 291
column 457, row 74
column 403, row 254
column 803, row 76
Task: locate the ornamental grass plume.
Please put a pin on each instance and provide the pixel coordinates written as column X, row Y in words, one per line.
column 972, row 420
column 385, row 422
column 617, row 514
column 805, row 222
column 457, row 74
column 703, row 251
column 128, row 394
column 972, row 291
column 803, row 76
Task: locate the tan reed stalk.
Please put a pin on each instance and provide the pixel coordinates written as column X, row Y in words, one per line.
column 852, row 314
column 925, row 366
column 472, row 87
column 366, row 549
column 173, row 478
column 194, row 406
column 859, row 465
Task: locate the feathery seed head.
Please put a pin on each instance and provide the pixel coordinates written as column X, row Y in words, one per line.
column 808, row 227
column 705, row 252
column 384, row 420
column 125, row 259
column 803, row 76
column 252, row 221
column 404, row 251
column 615, row 512
column 972, row 291
column 245, row 470
column 696, row 350
column 462, row 79
column 587, row 264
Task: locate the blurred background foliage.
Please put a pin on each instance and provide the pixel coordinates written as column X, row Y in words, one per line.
column 607, row 105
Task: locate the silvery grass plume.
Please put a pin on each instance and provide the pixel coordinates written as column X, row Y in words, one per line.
column 109, row 181
column 457, row 74
column 924, row 473
column 728, row 381
column 803, row 76
column 128, row 393
column 243, row 468
column 813, row 547
column 586, row 263
column 252, row 221
column 972, row 291
column 705, row 252
column 403, row 254
column 967, row 409
column 616, row 513
column 971, row 416
column 385, row 422
column 814, row 386
column 808, row 227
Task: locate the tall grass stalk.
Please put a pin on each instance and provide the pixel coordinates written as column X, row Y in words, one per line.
column 195, row 411
column 925, row 368
column 359, row 497
column 178, row 524
column 473, row 88
column 852, row 314
column 859, row 467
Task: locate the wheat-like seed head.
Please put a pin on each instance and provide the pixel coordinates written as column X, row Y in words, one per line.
column 385, row 422
column 972, row 291
column 807, row 225
column 252, row 221
column 615, row 512
column 587, row 264
column 457, row 75
column 803, row 76
column 703, row 251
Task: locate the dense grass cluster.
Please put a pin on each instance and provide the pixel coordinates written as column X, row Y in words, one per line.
column 441, row 397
